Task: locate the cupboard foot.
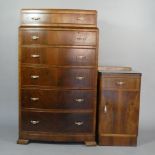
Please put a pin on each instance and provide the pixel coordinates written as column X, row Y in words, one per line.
column 22, row 141
column 90, row 143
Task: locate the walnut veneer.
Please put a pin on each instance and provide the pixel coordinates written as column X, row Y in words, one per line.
column 118, row 112
column 58, row 52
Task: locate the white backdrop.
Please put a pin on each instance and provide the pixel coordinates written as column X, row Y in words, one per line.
column 127, row 38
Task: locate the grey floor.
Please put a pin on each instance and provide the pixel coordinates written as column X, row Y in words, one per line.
column 8, row 146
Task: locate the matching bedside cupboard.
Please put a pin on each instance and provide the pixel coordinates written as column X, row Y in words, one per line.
column 118, row 111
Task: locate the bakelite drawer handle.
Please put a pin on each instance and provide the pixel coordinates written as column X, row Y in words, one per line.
column 34, row 122
column 35, row 37
column 80, row 18
column 79, row 100
column 34, row 76
column 79, row 123
column 34, row 98
column 35, row 18
column 35, row 56
column 80, row 77
column 120, row 83
column 81, row 38
column 81, row 57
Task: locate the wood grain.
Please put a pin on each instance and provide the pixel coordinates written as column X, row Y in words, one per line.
column 118, row 109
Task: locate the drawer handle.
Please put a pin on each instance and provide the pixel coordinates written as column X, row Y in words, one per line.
column 34, row 76
column 80, row 77
column 34, row 98
column 35, row 37
column 79, row 100
column 35, row 56
column 81, row 38
column 81, row 57
column 35, row 18
column 80, row 18
column 120, row 83
column 34, row 122
column 79, row 123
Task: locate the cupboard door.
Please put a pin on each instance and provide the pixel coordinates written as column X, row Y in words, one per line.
column 119, row 112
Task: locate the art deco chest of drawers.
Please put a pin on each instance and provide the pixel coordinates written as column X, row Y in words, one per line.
column 118, row 99
column 57, row 75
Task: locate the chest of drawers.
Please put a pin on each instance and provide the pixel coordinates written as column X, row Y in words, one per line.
column 118, row 99
column 57, row 75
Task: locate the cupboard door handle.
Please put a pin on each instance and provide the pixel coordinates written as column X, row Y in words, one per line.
column 120, row 83
column 35, row 18
column 80, row 78
column 79, row 100
column 35, row 55
column 34, row 76
column 79, row 123
column 35, row 37
column 34, row 122
column 34, row 98
column 105, row 108
column 81, row 57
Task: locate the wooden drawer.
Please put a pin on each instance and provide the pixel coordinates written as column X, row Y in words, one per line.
column 86, row 18
column 39, row 76
column 121, row 83
column 61, row 77
column 70, row 123
column 59, row 36
column 59, row 56
column 58, row 99
column 78, row 78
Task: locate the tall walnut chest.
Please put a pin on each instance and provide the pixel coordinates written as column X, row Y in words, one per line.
column 58, row 58
column 119, row 101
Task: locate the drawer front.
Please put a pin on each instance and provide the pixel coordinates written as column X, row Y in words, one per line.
column 59, row 56
column 56, row 99
column 58, row 19
column 62, row 77
column 39, row 55
column 39, row 76
column 59, row 37
column 121, row 83
column 57, row 122
column 78, row 78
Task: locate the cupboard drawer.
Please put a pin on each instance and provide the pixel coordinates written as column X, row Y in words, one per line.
column 57, row 99
column 70, row 123
column 61, row 77
column 58, row 17
column 59, row 56
column 59, row 37
column 121, row 83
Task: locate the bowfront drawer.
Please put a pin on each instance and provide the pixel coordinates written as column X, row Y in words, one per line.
column 78, row 78
column 57, row 99
column 58, row 18
column 59, row 37
column 39, row 55
column 121, row 82
column 61, row 77
column 59, row 56
column 39, row 76
column 71, row 123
